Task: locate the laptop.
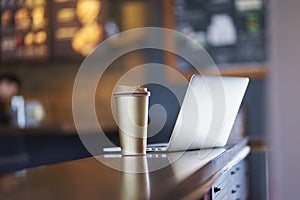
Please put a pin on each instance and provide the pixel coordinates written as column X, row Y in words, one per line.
column 206, row 116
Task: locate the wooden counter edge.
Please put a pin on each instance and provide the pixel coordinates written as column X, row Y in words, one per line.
column 199, row 182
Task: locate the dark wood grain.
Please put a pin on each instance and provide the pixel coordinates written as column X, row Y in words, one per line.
column 90, row 179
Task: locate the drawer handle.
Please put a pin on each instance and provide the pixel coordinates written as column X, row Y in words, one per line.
column 217, row 189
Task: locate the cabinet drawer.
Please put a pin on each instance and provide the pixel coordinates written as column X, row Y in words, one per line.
column 233, row 184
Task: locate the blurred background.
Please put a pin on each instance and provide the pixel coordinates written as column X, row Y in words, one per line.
column 44, row 44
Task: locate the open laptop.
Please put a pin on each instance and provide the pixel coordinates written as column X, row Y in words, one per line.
column 206, row 116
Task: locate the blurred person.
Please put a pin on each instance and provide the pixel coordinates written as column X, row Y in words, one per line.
column 9, row 86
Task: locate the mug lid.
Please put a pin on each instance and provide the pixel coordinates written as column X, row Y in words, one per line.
column 121, row 90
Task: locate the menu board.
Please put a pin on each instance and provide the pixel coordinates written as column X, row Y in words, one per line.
column 77, row 27
column 232, row 31
column 24, row 30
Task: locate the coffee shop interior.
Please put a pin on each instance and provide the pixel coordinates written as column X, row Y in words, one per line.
column 45, row 44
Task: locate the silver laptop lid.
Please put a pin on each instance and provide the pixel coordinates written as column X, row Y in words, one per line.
column 208, row 112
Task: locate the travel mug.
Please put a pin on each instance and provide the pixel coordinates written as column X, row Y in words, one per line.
column 132, row 118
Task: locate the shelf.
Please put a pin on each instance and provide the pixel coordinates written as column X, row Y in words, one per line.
column 253, row 72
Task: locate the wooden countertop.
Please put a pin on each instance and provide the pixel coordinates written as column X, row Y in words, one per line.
column 164, row 176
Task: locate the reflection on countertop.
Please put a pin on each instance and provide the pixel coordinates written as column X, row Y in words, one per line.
column 154, row 176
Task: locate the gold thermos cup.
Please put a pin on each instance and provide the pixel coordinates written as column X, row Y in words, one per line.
column 132, row 118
